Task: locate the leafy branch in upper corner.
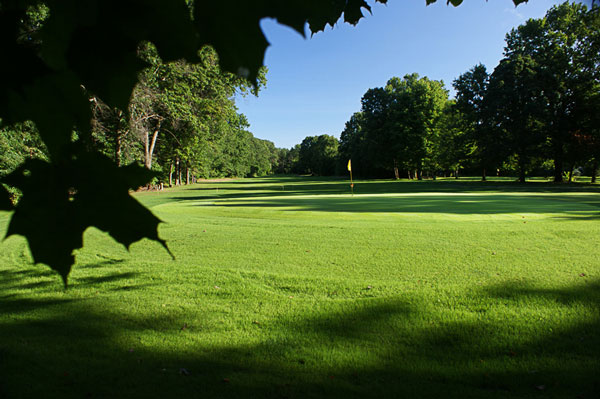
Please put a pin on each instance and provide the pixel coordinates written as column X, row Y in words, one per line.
column 59, row 52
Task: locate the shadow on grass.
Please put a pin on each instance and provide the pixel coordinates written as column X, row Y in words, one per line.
column 14, row 303
column 587, row 294
column 316, row 186
column 313, row 186
column 259, row 192
column 102, row 264
column 380, row 348
column 446, row 196
column 96, row 280
column 16, row 277
column 582, row 205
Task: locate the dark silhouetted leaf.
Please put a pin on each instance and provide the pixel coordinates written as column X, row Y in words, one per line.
column 62, row 201
column 353, row 12
column 127, row 222
column 57, row 104
column 23, row 69
column 45, row 215
column 104, row 37
column 235, row 32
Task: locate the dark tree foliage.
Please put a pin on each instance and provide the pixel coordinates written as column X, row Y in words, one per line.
column 513, row 88
column 396, row 128
column 318, row 155
column 540, row 92
column 489, row 144
column 351, row 143
column 453, row 146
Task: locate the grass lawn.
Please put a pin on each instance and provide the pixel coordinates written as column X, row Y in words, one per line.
column 289, row 287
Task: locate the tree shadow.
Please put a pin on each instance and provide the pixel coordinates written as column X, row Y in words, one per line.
column 581, row 206
column 110, row 278
column 102, row 264
column 42, row 276
column 463, row 197
column 312, row 186
column 12, row 281
column 375, row 347
column 587, row 293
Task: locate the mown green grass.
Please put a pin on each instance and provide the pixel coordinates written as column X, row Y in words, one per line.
column 291, row 288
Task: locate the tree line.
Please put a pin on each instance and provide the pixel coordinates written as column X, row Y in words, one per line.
column 181, row 123
column 535, row 113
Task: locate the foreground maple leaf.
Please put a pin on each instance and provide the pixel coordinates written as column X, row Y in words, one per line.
column 60, row 202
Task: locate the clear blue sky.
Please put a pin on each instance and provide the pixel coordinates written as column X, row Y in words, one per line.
column 314, row 85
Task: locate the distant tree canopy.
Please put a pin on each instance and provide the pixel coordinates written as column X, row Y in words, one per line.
column 181, row 121
column 318, row 155
column 398, row 128
column 536, row 111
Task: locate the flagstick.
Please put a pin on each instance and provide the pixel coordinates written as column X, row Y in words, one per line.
column 351, row 182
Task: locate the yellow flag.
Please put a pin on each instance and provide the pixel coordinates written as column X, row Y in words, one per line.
column 349, row 165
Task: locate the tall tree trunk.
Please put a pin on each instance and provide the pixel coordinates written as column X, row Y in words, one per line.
column 419, row 174
column 171, row 175
column 147, row 159
column 396, row 173
column 149, row 149
column 571, row 173
column 456, row 173
column 409, row 175
column 179, row 181
column 521, row 171
column 122, row 130
column 483, row 175
column 558, row 168
column 594, row 170
column 177, row 172
column 187, row 178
